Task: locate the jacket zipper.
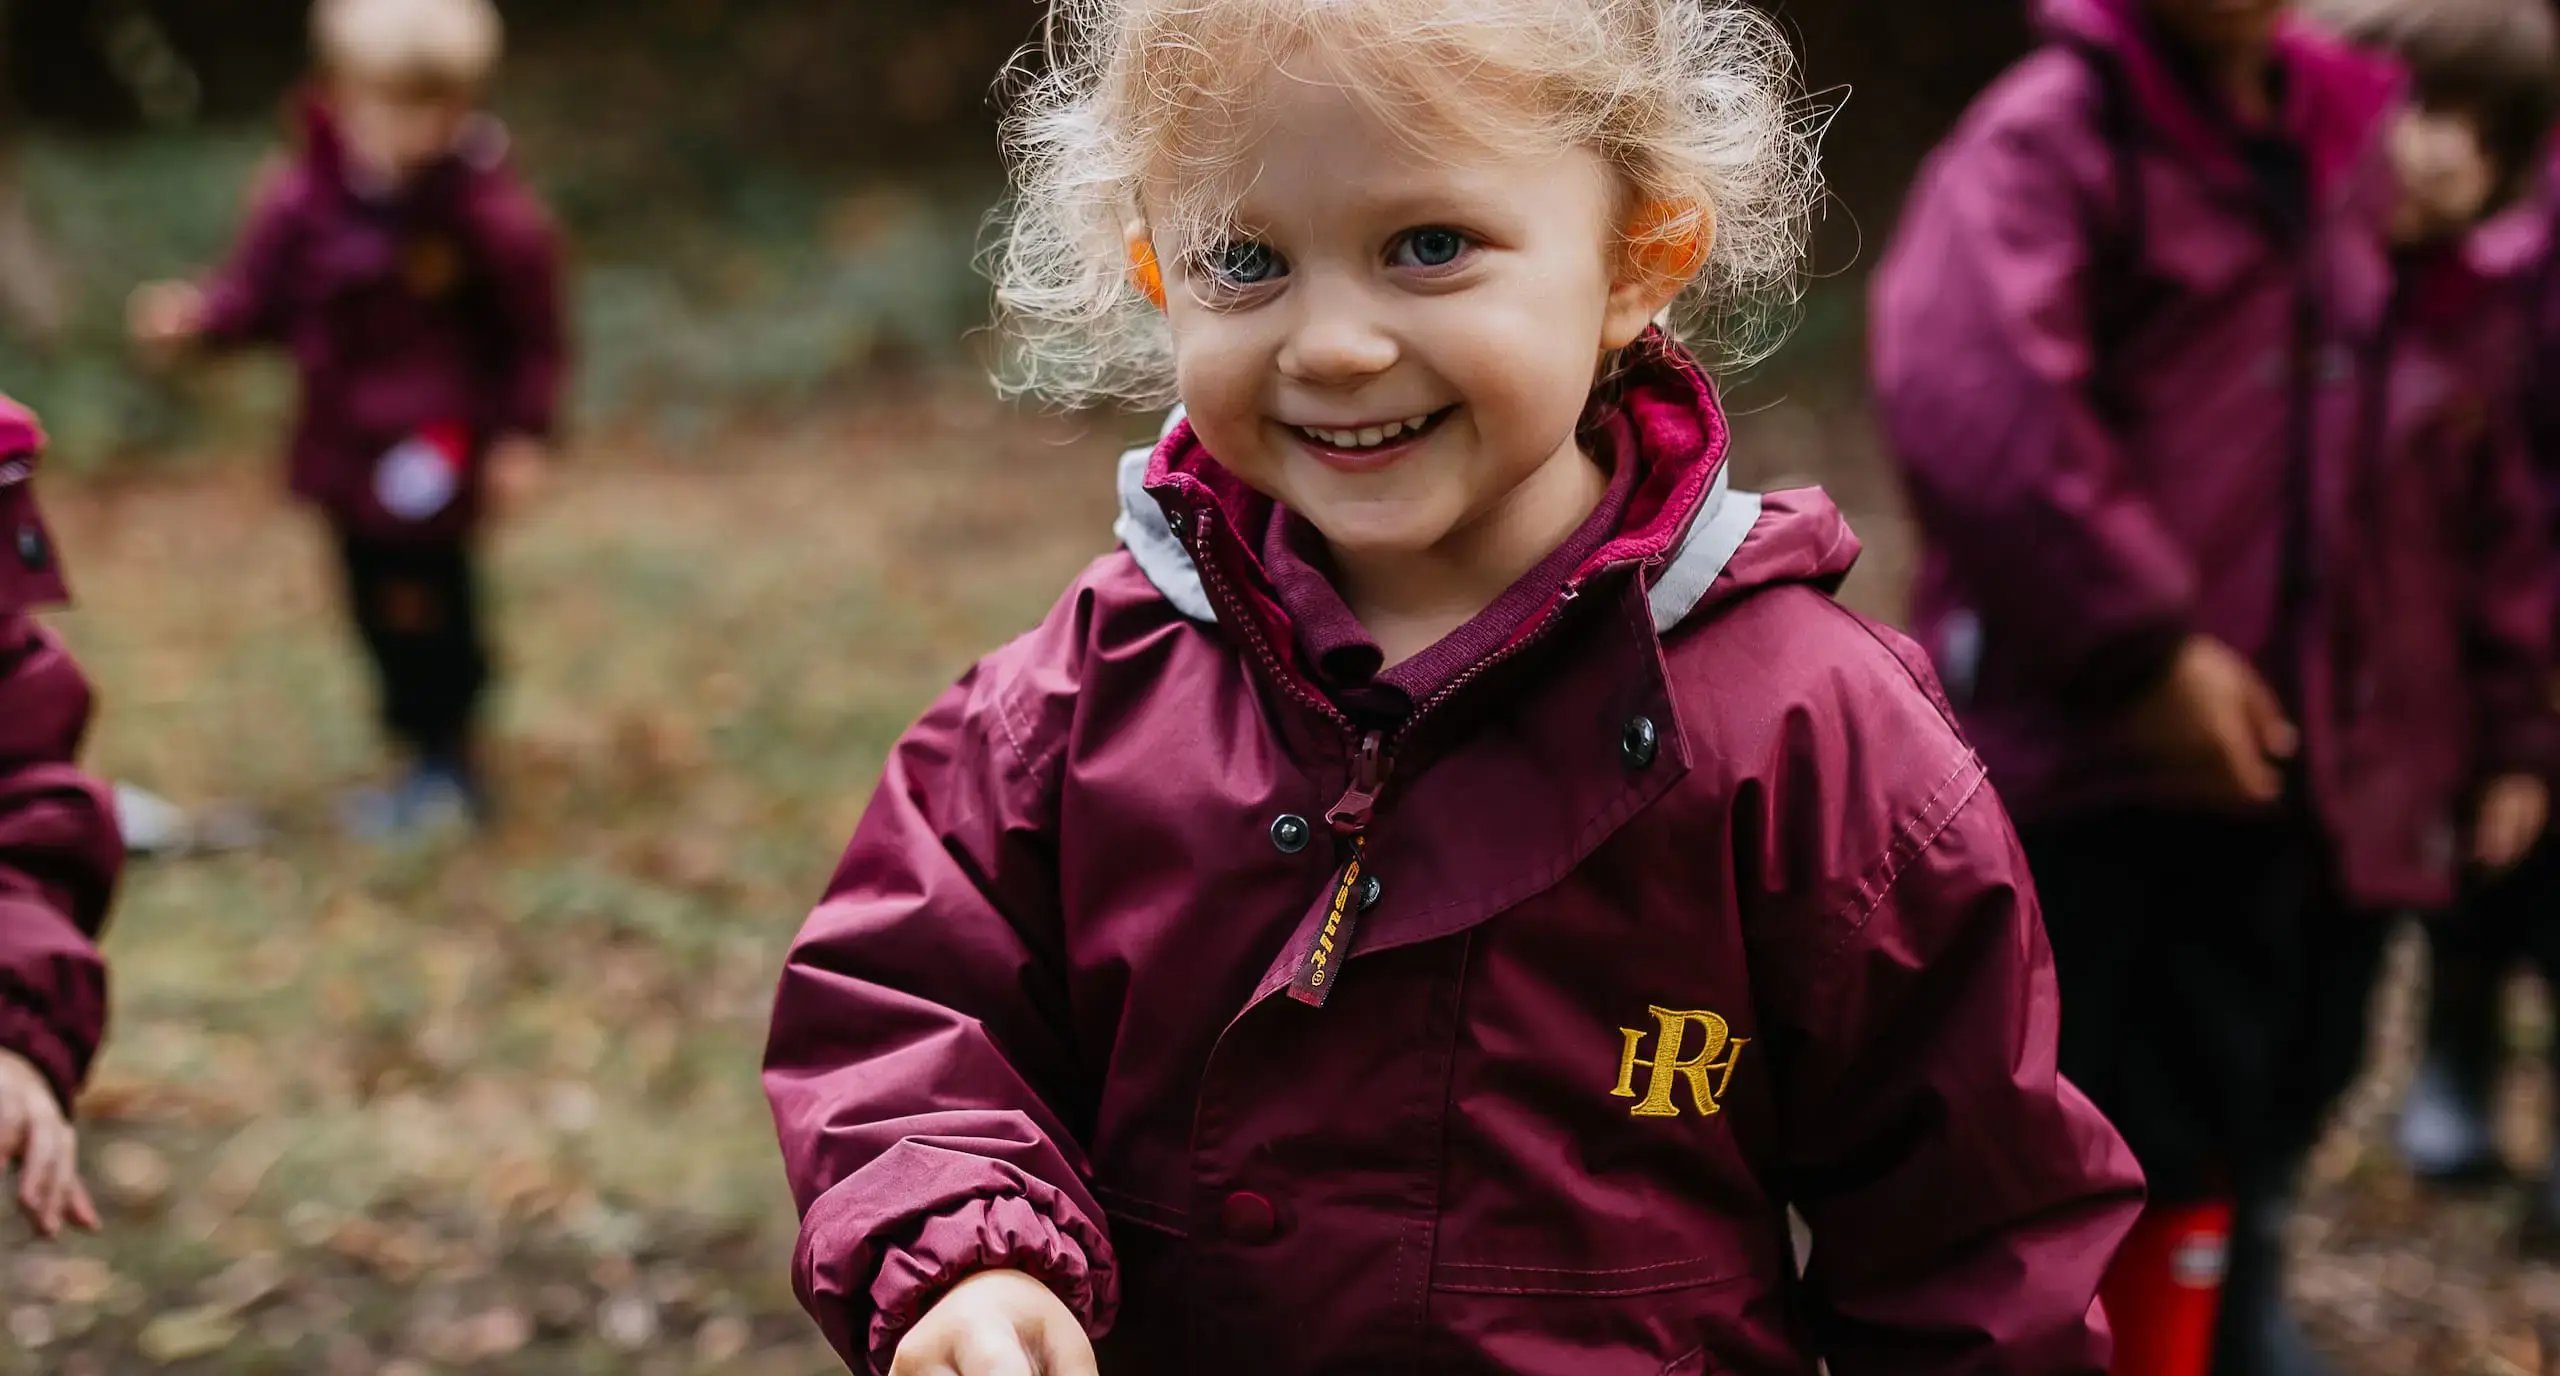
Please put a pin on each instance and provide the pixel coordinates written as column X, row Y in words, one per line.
column 1373, row 754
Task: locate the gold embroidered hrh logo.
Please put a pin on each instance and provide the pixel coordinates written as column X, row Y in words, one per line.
column 1671, row 1034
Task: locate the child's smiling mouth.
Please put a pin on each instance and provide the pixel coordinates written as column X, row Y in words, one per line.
column 1365, row 446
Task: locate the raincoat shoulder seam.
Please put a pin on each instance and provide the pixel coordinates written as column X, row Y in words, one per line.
column 1002, row 711
column 1946, row 802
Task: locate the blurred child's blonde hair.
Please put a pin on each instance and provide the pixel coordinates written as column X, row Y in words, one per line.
column 442, row 43
column 1692, row 103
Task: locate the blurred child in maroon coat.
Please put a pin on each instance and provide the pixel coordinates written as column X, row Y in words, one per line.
column 2233, row 586
column 2486, row 78
column 58, row 860
column 414, row 280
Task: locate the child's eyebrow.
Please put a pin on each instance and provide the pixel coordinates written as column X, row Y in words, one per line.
column 1421, row 199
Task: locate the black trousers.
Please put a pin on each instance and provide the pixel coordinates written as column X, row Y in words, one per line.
column 2216, row 997
column 2494, row 925
column 417, row 610
column 2215, row 987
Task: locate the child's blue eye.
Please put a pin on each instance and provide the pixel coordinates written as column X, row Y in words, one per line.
column 1429, row 248
column 1243, row 263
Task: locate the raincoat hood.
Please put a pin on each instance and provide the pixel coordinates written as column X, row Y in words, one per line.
column 30, row 576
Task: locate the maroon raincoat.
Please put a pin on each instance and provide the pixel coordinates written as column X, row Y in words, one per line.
column 1689, row 906
column 2131, row 407
column 59, row 850
column 431, row 315
column 2454, row 580
column 2526, row 242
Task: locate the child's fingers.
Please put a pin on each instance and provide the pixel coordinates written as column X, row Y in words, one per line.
column 42, row 1185
column 2503, row 838
column 2251, row 774
column 2489, row 837
column 83, row 1210
column 1065, row 1351
column 999, row 1353
column 925, row 1359
column 36, row 1189
column 2276, row 735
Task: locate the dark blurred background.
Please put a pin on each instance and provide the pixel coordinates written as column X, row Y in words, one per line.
column 772, row 199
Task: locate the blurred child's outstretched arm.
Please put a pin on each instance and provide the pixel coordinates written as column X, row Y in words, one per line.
column 248, row 300
column 1964, row 1199
column 920, row 1069
column 59, row 854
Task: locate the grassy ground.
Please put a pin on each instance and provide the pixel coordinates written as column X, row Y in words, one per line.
column 492, row 1106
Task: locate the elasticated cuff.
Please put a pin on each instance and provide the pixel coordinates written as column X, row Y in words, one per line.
column 1005, row 1233
column 28, row 1033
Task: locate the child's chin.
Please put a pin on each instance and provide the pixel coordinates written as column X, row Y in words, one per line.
column 1359, row 534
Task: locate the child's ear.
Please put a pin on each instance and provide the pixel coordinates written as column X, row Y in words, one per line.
column 1144, row 274
column 1664, row 246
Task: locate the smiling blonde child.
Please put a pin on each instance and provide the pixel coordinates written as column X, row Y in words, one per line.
column 1444, row 889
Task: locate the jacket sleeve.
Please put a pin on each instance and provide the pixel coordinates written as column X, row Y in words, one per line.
column 59, row 857
column 1964, row 1200
column 2509, row 599
column 522, row 251
column 248, row 300
column 919, row 1069
column 1981, row 351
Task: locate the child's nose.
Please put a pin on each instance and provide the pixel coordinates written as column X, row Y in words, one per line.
column 1336, row 337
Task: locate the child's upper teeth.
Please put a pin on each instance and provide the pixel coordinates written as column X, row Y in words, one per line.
column 1367, row 436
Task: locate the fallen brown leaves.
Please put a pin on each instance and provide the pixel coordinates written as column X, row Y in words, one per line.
column 492, row 1105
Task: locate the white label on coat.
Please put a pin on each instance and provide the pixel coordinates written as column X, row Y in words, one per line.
column 415, row 480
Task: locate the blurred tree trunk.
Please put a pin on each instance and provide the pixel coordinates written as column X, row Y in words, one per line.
column 31, row 287
column 1900, row 71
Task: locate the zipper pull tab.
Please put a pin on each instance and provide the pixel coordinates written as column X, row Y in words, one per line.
column 1321, row 968
column 1350, row 815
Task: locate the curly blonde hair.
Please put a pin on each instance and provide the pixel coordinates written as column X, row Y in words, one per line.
column 450, row 43
column 1693, row 103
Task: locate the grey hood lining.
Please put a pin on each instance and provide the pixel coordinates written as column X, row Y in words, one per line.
column 1143, row 530
column 1725, row 518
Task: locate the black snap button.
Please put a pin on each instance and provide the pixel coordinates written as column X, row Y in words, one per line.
column 1639, row 743
column 1370, row 892
column 31, row 550
column 1291, row 833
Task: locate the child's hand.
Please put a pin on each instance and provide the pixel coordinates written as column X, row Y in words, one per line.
column 34, row 1134
column 2217, row 727
column 996, row 1323
column 2513, row 809
column 519, row 470
column 164, row 318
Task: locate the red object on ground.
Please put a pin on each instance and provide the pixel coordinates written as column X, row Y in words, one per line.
column 2165, row 1288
